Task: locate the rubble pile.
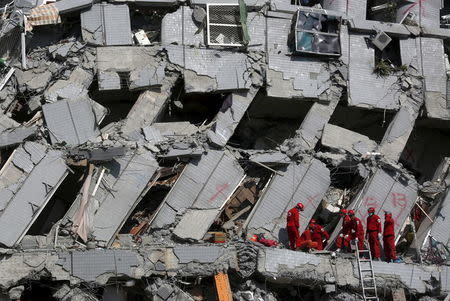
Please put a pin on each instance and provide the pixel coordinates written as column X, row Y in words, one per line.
column 151, row 149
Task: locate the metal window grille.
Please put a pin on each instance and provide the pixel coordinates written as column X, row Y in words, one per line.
column 224, row 25
column 317, row 33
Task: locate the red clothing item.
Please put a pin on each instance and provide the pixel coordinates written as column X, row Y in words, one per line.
column 358, row 232
column 389, row 248
column 268, row 242
column 293, row 218
column 343, row 240
column 294, row 237
column 375, row 246
column 373, row 229
column 389, row 226
column 374, row 223
column 306, row 240
column 346, row 225
column 318, row 235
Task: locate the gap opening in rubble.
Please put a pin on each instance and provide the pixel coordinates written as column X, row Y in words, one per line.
column 445, row 15
column 148, row 19
column 118, row 102
column 47, row 35
column 60, row 202
column 123, row 289
column 196, row 108
column 370, row 123
column 381, row 10
column 425, row 150
column 269, row 121
column 164, row 179
column 19, row 109
column 389, row 56
column 240, row 204
column 39, row 290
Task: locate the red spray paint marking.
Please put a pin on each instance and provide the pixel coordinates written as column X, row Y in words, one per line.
column 310, row 199
column 399, row 201
column 414, row 4
column 219, row 190
column 409, row 154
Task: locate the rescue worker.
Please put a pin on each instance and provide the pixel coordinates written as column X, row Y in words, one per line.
column 319, row 234
column 293, row 224
column 305, row 242
column 264, row 241
column 343, row 240
column 389, row 238
column 373, row 233
column 357, row 232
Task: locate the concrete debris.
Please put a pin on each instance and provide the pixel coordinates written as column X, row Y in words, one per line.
column 70, row 122
column 107, row 25
column 339, row 138
column 147, row 146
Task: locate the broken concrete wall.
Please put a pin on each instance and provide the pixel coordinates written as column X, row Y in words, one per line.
column 29, row 179
column 387, row 189
column 290, row 267
column 338, row 138
column 292, row 76
column 113, row 194
column 139, row 68
column 199, row 194
column 107, row 25
column 306, row 182
column 229, row 116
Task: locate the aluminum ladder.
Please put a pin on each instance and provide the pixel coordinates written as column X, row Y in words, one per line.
column 366, row 274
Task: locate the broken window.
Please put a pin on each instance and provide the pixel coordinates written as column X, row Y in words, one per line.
column 161, row 184
column 226, row 25
column 381, row 10
column 241, row 203
column 269, row 121
column 59, row 203
column 317, row 33
column 118, row 102
column 445, row 15
column 387, row 55
column 196, row 108
column 365, row 122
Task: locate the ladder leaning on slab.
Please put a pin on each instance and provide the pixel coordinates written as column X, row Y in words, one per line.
column 366, row 274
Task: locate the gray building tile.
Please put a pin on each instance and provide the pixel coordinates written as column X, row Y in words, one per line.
column 90, row 264
column 306, row 183
column 202, row 254
column 107, row 24
column 32, row 195
column 70, row 122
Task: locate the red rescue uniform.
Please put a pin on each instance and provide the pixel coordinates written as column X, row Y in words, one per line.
column 293, row 223
column 318, row 235
column 389, row 238
column 358, row 232
column 306, row 242
column 373, row 231
column 343, row 240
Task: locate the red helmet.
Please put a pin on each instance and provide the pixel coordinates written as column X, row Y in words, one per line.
column 300, row 206
column 254, row 238
column 371, row 210
column 343, row 211
column 351, row 212
column 387, row 213
column 312, row 221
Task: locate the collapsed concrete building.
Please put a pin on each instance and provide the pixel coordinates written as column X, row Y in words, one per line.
column 143, row 142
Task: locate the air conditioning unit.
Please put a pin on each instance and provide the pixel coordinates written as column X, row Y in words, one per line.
column 381, row 40
column 224, row 27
